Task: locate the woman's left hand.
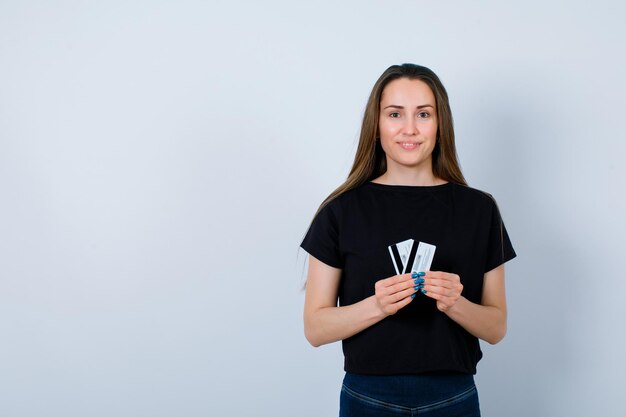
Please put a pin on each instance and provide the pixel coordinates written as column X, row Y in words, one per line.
column 444, row 287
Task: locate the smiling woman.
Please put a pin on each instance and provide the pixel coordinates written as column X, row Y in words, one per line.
column 408, row 129
column 409, row 327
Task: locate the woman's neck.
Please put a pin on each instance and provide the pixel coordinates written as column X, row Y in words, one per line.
column 409, row 177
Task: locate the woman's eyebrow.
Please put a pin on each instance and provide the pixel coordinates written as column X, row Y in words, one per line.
column 395, row 106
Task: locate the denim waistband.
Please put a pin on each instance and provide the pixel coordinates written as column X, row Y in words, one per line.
column 410, row 390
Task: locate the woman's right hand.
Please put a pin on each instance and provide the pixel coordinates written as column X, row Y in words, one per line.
column 325, row 322
column 396, row 292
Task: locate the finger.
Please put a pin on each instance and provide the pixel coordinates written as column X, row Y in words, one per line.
column 391, row 305
column 441, row 291
column 396, row 283
column 442, row 275
column 394, row 280
column 439, row 283
column 403, row 303
column 446, row 302
column 401, row 286
column 407, row 297
column 443, row 303
column 432, row 294
column 398, row 296
column 434, row 274
column 447, row 281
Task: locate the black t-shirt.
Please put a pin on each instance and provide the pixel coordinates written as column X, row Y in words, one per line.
column 353, row 233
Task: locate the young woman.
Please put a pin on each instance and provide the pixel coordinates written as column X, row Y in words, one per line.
column 410, row 336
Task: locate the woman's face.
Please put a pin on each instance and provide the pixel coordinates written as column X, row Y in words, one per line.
column 407, row 124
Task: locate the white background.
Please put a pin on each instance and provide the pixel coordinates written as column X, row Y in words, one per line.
column 160, row 162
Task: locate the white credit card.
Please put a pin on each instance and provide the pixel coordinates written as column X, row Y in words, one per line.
column 406, row 258
column 423, row 257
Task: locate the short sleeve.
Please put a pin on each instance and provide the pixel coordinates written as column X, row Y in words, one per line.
column 322, row 238
column 499, row 248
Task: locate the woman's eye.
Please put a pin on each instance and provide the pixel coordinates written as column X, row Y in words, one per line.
column 395, row 114
column 423, row 115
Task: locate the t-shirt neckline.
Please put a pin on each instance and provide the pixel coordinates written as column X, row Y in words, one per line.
column 413, row 188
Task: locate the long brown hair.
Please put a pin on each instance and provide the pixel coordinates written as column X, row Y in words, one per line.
column 370, row 161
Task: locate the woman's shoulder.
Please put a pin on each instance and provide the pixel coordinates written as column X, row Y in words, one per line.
column 348, row 195
column 473, row 195
column 342, row 203
column 339, row 203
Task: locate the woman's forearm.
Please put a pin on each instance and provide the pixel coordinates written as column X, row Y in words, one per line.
column 330, row 324
column 486, row 320
column 483, row 321
column 324, row 322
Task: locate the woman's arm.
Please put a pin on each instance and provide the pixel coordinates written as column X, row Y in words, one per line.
column 324, row 322
column 486, row 320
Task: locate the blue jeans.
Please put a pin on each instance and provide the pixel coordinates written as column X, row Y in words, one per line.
column 428, row 395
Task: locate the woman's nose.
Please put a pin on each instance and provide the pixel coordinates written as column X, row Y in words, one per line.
column 410, row 127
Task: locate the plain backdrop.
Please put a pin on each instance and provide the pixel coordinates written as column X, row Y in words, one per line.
column 160, row 162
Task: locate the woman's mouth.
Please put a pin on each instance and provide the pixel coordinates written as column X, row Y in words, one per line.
column 409, row 145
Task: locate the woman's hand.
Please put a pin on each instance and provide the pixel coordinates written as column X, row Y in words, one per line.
column 486, row 320
column 395, row 292
column 444, row 287
column 325, row 322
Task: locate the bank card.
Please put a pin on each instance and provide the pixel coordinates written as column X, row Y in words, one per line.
column 407, row 257
column 423, row 257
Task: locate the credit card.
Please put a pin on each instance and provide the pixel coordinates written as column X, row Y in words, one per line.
column 406, row 257
column 423, row 257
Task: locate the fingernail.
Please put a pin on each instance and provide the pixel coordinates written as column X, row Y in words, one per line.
column 419, row 281
column 413, row 296
column 414, row 275
column 423, row 291
column 418, row 287
column 421, row 274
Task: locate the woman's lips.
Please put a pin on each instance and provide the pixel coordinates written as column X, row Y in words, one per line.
column 409, row 145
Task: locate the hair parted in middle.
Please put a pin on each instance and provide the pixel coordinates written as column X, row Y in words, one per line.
column 370, row 161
